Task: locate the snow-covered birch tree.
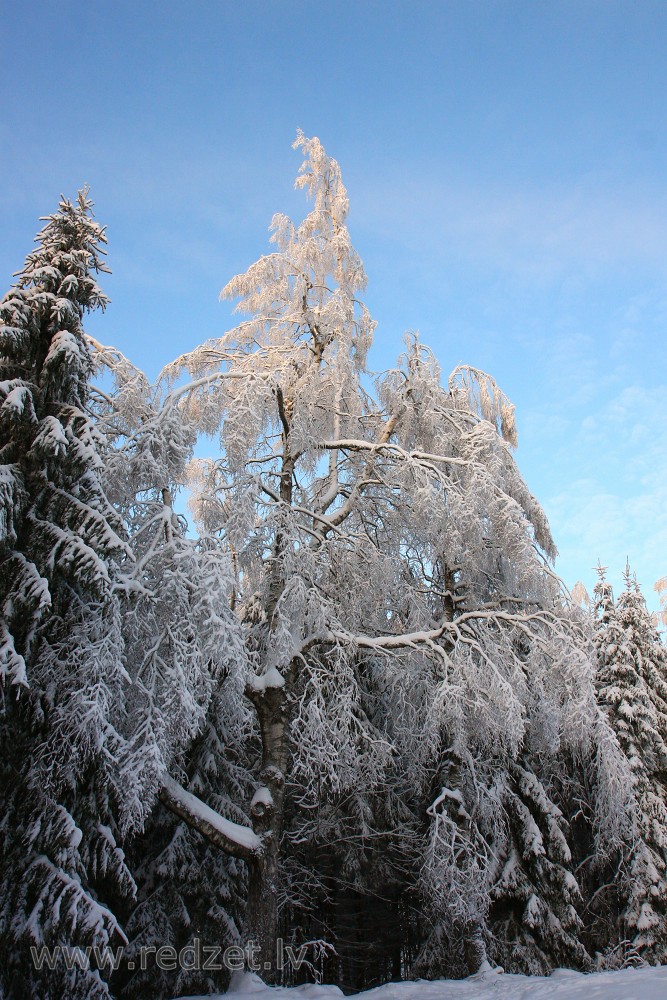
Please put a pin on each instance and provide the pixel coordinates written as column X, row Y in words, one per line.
column 387, row 528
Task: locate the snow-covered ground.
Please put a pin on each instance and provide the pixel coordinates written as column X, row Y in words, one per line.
column 629, row 984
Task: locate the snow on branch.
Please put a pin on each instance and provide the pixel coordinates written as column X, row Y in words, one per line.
column 413, row 639
column 478, row 391
column 426, row 458
column 239, row 841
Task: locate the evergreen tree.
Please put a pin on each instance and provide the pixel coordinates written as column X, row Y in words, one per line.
column 499, row 880
column 190, row 893
column 632, row 689
column 60, row 659
column 536, row 901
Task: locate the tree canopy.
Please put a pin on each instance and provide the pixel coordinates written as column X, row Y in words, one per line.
column 351, row 704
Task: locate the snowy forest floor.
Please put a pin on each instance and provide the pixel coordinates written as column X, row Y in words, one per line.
column 628, row 984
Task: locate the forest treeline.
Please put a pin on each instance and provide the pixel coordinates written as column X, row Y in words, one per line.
column 349, row 706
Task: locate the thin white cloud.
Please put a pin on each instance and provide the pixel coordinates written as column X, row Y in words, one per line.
column 539, row 233
column 619, row 511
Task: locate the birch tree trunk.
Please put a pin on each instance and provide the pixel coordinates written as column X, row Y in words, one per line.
column 267, row 813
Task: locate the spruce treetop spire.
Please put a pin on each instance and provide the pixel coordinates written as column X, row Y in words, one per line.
column 69, row 246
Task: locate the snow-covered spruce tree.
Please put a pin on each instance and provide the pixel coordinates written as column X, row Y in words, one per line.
column 60, row 657
column 190, row 894
column 536, row 901
column 390, row 530
column 632, row 690
column 595, row 792
column 186, row 660
column 504, row 854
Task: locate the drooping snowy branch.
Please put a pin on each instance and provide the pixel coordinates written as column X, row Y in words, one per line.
column 237, row 840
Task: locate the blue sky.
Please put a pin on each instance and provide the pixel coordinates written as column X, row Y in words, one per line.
column 506, row 167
